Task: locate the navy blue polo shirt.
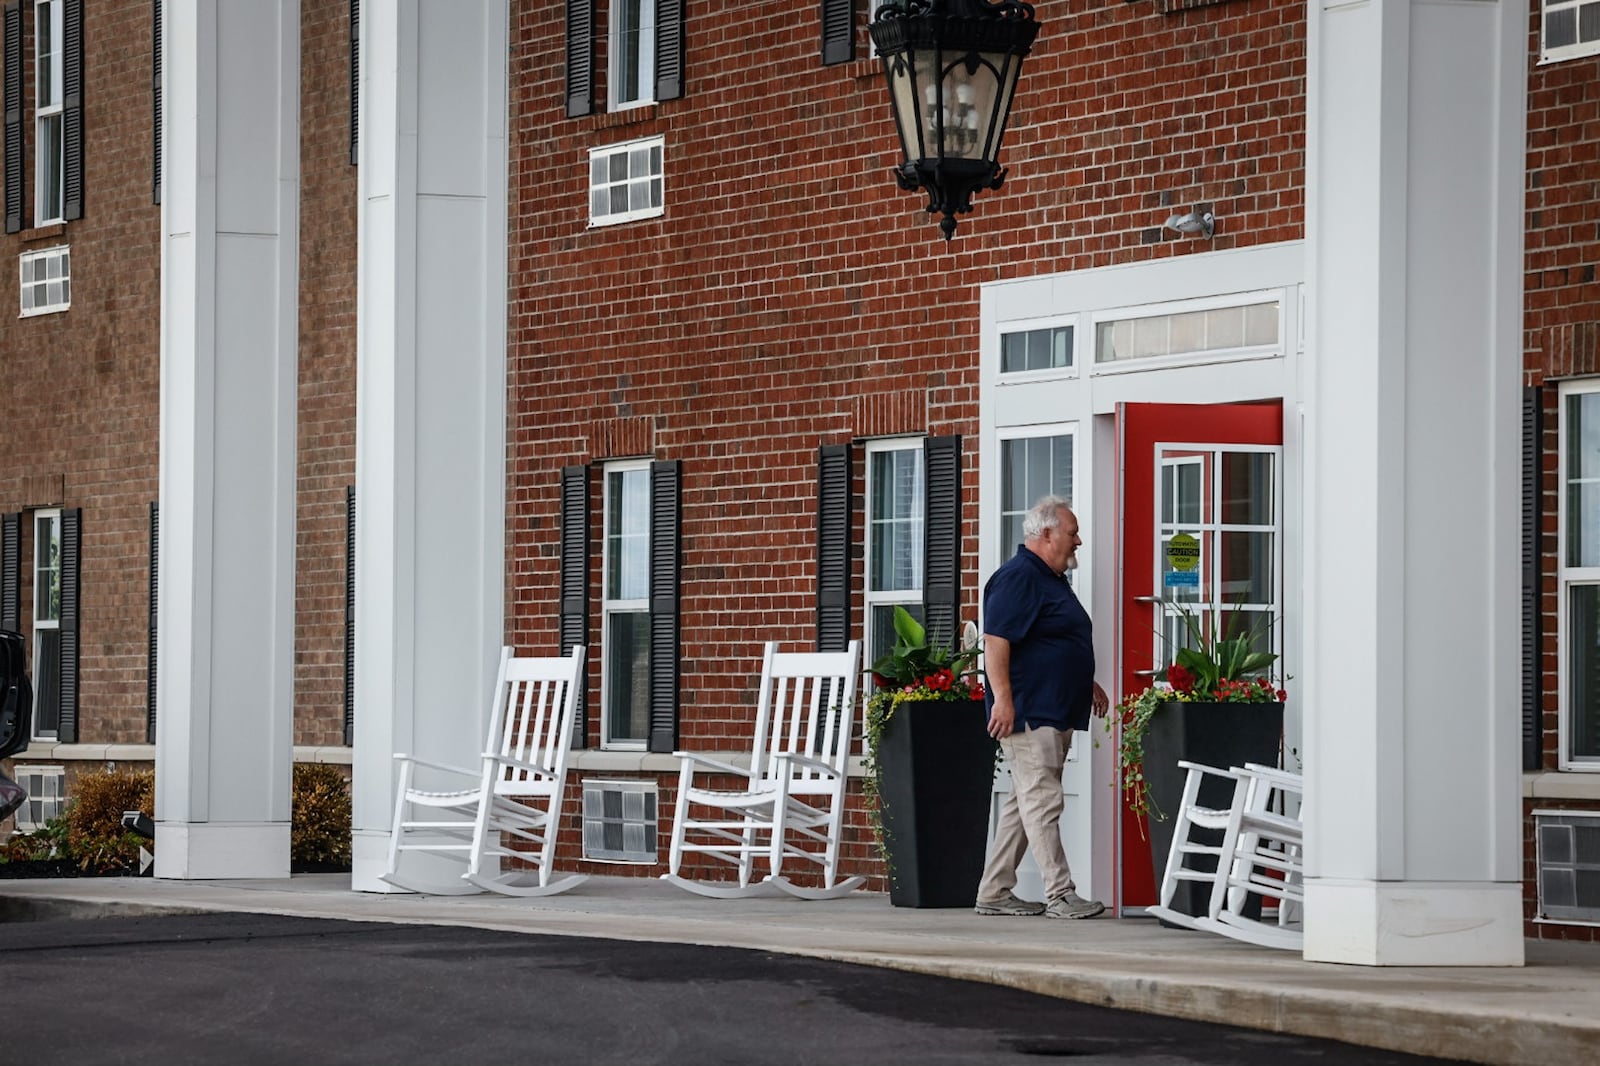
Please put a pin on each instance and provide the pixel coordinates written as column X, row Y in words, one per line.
column 1052, row 643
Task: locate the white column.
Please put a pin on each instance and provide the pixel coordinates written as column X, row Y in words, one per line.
column 229, row 247
column 431, row 381
column 1414, row 222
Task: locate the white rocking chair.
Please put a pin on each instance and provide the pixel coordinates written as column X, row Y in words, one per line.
column 1197, row 840
column 1263, row 853
column 517, row 791
column 789, row 803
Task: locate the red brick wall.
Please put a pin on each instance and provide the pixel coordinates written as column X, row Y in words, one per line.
column 1561, row 337
column 791, row 290
column 327, row 415
column 81, row 426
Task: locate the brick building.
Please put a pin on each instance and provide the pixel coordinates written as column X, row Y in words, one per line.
column 714, row 288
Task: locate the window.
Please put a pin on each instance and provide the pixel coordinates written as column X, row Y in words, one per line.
column 895, row 514
column 632, row 60
column 625, row 610
column 1031, row 467
column 1570, row 28
column 1202, row 331
column 1579, row 575
column 46, row 788
column 643, row 53
column 46, row 624
column 1036, row 349
column 625, row 182
column 48, row 116
column 46, row 284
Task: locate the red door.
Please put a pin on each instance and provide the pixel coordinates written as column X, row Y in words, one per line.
column 1211, row 473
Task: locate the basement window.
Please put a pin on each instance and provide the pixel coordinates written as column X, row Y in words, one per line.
column 46, row 281
column 625, row 182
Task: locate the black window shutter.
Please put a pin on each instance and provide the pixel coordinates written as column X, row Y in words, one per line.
column 941, row 567
column 11, row 572
column 152, row 648
column 355, row 81
column 13, row 97
column 669, row 49
column 71, row 538
column 580, row 57
column 574, row 621
column 838, row 31
column 1532, row 626
column 834, row 519
column 155, row 110
column 349, row 615
column 666, row 515
column 72, row 111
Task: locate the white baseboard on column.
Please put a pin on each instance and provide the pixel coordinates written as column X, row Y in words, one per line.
column 1414, row 923
column 369, row 860
column 206, row 851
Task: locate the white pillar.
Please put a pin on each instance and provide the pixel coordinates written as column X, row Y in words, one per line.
column 229, row 247
column 431, row 382
column 1414, row 224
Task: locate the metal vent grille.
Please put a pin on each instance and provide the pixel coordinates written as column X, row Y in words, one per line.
column 46, row 788
column 619, row 821
column 1569, row 864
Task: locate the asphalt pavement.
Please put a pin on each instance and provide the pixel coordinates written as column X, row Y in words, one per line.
column 1544, row 1014
column 248, row 989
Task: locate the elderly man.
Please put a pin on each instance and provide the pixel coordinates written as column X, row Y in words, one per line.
column 1039, row 662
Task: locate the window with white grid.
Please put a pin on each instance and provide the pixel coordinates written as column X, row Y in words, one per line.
column 625, row 181
column 46, row 281
column 47, row 796
column 1569, row 29
column 896, row 504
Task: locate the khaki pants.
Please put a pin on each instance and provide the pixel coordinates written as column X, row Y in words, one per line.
column 1030, row 815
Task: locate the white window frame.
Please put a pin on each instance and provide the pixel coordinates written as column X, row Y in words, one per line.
column 627, row 149
column 1026, row 377
column 1576, row 50
column 610, row 607
column 48, row 167
column 52, row 515
column 874, row 598
column 27, row 285
column 618, row 54
column 52, row 801
column 1089, row 341
column 1012, row 433
column 1568, row 577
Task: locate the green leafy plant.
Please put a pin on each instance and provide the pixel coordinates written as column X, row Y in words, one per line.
column 1218, row 664
column 911, row 671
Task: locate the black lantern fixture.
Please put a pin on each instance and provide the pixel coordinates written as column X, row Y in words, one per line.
column 952, row 70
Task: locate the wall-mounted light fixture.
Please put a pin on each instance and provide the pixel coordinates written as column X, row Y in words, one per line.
column 1198, row 220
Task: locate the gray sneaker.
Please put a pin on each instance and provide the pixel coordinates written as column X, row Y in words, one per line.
column 1010, row 905
column 1072, row 905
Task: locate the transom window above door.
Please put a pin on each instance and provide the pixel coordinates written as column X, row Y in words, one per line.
column 1220, row 330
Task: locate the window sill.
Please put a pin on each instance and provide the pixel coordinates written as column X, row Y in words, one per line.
column 53, row 751
column 51, row 232
column 1561, row 785
column 630, row 116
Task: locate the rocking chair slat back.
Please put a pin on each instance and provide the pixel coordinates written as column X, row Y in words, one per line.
column 534, row 718
column 807, row 707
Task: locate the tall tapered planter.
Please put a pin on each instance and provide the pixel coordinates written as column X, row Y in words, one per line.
column 1216, row 734
column 935, row 778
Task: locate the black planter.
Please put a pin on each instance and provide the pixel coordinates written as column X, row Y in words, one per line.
column 1216, row 734
column 936, row 775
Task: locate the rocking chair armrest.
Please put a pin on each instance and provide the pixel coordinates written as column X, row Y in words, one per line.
column 526, row 767
column 401, row 756
column 1233, row 774
column 715, row 765
column 1286, row 779
column 806, row 761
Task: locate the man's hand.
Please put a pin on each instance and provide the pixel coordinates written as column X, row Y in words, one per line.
column 1102, row 702
column 1002, row 719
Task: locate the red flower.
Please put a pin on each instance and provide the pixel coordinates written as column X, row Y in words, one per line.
column 939, row 681
column 1180, row 679
column 977, row 690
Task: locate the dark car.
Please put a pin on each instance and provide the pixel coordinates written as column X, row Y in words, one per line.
column 16, row 713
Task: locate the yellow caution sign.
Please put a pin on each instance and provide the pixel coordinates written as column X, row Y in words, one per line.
column 1183, row 552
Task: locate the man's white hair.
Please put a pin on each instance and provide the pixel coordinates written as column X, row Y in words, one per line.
column 1043, row 515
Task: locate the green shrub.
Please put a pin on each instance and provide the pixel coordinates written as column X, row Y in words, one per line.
column 319, row 831
column 96, row 839
column 47, row 842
